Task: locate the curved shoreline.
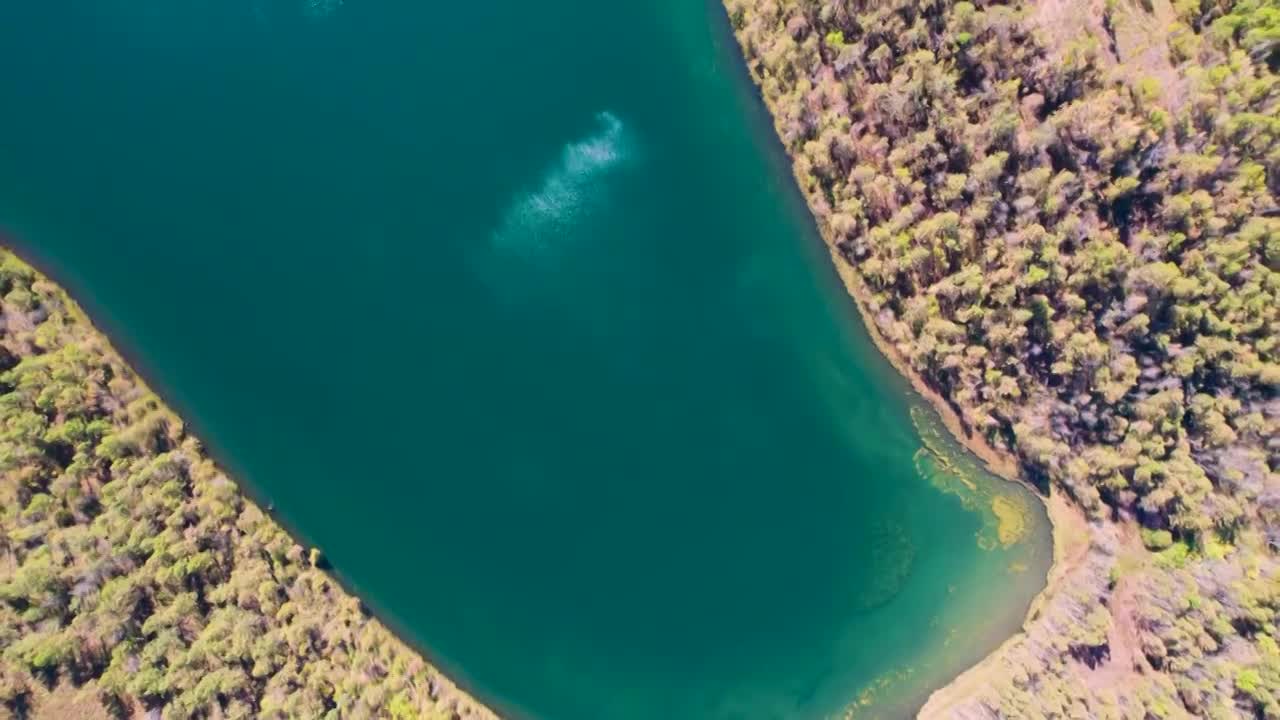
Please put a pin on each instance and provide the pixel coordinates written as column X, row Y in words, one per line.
column 1065, row 519
column 1069, row 554
column 455, row 687
column 999, row 462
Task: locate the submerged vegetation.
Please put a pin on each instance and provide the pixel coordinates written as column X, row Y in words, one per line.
column 137, row 580
column 892, row 556
column 1065, row 222
column 1007, row 515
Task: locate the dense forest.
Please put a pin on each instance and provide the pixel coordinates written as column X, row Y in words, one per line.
column 1061, row 216
column 136, row 580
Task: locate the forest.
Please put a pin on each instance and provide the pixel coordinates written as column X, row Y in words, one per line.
column 137, row 580
column 1061, row 216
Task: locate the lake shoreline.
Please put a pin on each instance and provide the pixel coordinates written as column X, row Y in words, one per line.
column 453, row 685
column 1065, row 518
column 1071, row 542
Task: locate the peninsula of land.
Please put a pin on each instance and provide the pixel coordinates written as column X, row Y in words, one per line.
column 1060, row 219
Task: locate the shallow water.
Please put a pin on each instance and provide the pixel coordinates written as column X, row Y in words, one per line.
column 513, row 309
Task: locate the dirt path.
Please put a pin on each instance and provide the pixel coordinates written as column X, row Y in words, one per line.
column 1124, row 642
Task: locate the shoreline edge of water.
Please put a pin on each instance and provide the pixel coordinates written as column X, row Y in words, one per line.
column 455, row 688
column 1067, row 522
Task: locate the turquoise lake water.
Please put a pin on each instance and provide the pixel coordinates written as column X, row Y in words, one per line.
column 513, row 309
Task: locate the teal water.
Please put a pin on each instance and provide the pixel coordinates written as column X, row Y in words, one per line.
column 513, row 309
